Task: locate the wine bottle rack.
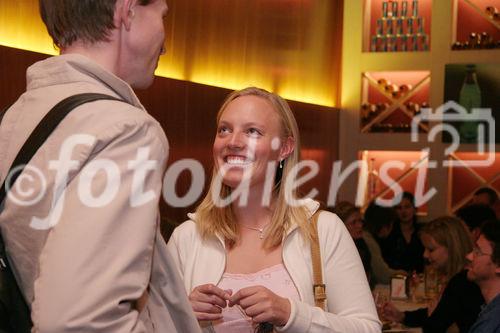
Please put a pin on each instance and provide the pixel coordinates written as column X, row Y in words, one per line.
column 392, row 99
column 375, row 187
column 477, row 24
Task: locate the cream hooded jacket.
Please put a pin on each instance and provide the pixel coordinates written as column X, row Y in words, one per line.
column 350, row 303
column 82, row 262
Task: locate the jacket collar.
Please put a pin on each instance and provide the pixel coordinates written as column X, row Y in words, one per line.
column 75, row 68
column 312, row 206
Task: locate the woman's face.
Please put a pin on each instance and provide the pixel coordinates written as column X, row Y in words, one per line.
column 435, row 253
column 354, row 225
column 248, row 138
column 405, row 211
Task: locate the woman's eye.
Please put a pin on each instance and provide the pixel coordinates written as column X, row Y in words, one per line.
column 222, row 130
column 254, row 132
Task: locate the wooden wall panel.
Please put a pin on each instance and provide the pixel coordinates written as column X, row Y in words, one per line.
column 187, row 113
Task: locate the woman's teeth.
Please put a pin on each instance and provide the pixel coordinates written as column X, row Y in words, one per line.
column 237, row 160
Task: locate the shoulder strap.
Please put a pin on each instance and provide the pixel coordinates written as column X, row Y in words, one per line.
column 12, row 303
column 43, row 130
column 319, row 288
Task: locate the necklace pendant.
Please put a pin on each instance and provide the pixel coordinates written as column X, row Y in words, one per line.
column 261, row 233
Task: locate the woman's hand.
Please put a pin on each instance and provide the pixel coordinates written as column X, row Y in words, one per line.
column 390, row 312
column 262, row 305
column 208, row 300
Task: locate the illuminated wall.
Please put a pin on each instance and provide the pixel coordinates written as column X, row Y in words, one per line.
column 291, row 47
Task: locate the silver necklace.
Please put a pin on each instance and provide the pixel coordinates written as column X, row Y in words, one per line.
column 260, row 230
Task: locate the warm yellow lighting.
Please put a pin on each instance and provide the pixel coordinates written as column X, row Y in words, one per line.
column 232, row 58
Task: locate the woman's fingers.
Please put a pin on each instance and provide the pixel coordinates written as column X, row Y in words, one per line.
column 212, row 299
column 242, row 294
column 209, row 293
column 205, row 307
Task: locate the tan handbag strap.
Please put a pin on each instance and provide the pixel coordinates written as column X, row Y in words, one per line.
column 319, row 288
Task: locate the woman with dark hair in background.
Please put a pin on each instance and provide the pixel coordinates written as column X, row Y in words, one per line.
column 378, row 223
column 403, row 248
column 351, row 216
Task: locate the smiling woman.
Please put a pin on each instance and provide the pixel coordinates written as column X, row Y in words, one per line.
column 246, row 261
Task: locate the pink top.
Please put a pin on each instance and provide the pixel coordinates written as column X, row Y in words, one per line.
column 274, row 278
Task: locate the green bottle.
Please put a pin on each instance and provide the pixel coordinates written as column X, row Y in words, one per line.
column 470, row 97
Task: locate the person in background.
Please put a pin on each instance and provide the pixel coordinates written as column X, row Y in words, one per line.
column 100, row 267
column 474, row 216
column 485, row 196
column 351, row 217
column 447, row 241
column 246, row 262
column 489, row 197
column 378, row 223
column 484, row 270
column 403, row 249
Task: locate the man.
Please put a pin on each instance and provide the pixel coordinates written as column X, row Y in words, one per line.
column 484, row 270
column 474, row 216
column 485, row 196
column 489, row 197
column 87, row 252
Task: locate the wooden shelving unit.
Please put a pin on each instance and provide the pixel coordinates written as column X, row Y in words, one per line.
column 396, row 26
column 397, row 100
column 471, row 16
column 356, row 140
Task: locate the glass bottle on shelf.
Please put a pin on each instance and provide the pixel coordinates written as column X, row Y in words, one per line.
column 409, row 26
column 415, row 8
column 394, row 9
column 404, row 8
column 399, row 26
column 372, row 179
column 384, row 9
column 404, row 42
column 469, row 98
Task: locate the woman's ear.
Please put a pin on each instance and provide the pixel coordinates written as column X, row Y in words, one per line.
column 287, row 148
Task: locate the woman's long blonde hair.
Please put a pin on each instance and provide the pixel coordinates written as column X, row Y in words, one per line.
column 212, row 219
column 453, row 234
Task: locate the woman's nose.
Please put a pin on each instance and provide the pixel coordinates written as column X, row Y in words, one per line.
column 236, row 141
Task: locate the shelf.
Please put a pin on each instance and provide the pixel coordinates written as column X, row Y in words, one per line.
column 474, row 56
column 385, row 169
column 443, row 86
column 391, row 99
column 394, row 61
column 473, row 86
column 471, row 17
column 465, row 181
column 398, row 141
column 397, row 25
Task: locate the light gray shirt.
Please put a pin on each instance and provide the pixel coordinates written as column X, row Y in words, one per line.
column 83, row 269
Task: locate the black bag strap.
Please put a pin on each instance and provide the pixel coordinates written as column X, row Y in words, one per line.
column 43, row 130
column 17, row 311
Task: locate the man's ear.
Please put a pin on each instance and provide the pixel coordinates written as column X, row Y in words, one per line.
column 287, row 148
column 124, row 13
